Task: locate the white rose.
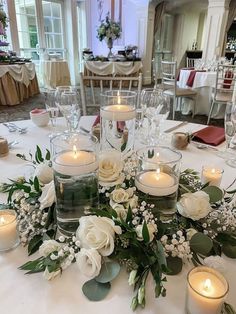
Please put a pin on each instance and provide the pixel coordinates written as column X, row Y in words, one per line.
column 48, row 247
column 119, row 196
column 151, row 230
column 48, row 196
column 89, row 262
column 121, row 211
column 97, row 233
column 190, row 233
column 51, row 275
column 194, row 205
column 110, row 168
column 132, row 202
column 44, row 173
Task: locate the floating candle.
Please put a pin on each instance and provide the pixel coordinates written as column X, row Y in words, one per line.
column 8, row 230
column 211, row 175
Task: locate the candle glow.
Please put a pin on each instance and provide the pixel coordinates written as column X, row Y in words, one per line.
column 2, row 221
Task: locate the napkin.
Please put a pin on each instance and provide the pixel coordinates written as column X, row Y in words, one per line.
column 211, row 135
column 228, row 75
column 190, row 68
column 192, row 77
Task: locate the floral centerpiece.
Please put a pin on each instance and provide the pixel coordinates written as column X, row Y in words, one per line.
column 123, row 231
column 109, row 30
column 3, row 36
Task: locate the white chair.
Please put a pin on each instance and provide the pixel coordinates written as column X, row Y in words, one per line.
column 90, row 94
column 224, row 87
column 169, row 78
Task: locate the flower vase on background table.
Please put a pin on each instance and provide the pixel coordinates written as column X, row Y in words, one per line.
column 110, row 46
column 75, row 165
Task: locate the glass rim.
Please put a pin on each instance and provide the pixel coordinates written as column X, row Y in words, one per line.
column 75, row 166
column 80, row 132
column 217, row 169
column 9, row 212
column 213, row 271
column 159, row 162
column 129, row 93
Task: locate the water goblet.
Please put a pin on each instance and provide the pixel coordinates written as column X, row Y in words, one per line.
column 230, row 131
column 69, row 107
column 52, row 109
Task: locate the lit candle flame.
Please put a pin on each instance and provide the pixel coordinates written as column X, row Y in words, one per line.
column 158, row 173
column 207, row 285
column 213, row 170
column 118, row 97
column 75, row 151
column 2, row 221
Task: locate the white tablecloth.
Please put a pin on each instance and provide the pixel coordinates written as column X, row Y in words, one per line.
column 203, row 84
column 23, row 73
column 27, row 294
column 114, row 68
column 55, row 73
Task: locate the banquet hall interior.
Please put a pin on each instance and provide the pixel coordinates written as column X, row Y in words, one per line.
column 117, row 156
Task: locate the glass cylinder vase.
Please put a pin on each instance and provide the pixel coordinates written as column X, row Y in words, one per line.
column 157, row 179
column 118, row 120
column 75, row 165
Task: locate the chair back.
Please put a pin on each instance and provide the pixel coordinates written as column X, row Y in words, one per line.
column 169, row 75
column 190, row 62
column 91, row 87
column 225, row 81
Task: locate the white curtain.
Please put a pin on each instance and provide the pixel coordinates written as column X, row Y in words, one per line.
column 231, row 16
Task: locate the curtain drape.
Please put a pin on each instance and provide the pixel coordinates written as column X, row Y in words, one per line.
column 231, row 16
column 158, row 23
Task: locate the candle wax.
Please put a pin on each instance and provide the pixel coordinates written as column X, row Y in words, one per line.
column 118, row 112
column 212, row 176
column 8, row 230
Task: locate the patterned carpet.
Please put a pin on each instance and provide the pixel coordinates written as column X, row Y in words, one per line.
column 21, row 112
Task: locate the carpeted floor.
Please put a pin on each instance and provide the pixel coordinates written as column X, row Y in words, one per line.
column 21, row 112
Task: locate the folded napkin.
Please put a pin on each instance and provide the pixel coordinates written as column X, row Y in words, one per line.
column 190, row 68
column 228, row 75
column 211, row 135
column 120, row 124
column 192, row 77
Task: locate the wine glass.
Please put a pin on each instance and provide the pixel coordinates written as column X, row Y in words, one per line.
column 69, row 107
column 52, row 109
column 230, row 131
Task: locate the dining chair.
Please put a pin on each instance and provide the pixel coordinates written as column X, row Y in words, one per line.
column 169, row 84
column 93, row 85
column 224, row 86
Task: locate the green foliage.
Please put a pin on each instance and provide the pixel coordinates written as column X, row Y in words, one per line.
column 201, row 244
column 96, row 291
column 174, row 265
column 110, row 270
column 215, row 193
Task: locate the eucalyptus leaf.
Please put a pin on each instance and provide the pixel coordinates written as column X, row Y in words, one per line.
column 108, row 272
column 34, row 244
column 96, row 291
column 174, row 264
column 201, row 244
column 229, row 250
column 161, row 254
column 215, row 193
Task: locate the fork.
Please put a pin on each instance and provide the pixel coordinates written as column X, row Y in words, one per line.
column 10, row 128
column 21, row 130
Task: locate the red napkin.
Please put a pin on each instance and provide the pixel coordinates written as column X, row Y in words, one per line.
column 192, row 77
column 120, row 124
column 228, row 75
column 191, row 68
column 211, row 135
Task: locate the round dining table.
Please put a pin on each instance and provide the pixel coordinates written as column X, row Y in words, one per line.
column 27, row 294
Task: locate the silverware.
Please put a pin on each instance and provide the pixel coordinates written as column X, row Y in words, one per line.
column 12, row 126
column 204, row 146
column 176, row 127
column 12, row 144
column 84, row 130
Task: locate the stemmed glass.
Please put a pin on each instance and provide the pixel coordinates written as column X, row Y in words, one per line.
column 69, row 107
column 52, row 109
column 230, row 131
column 156, row 108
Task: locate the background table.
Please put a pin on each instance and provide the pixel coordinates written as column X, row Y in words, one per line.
column 17, row 82
column 203, row 83
column 113, row 68
column 55, row 73
column 27, row 294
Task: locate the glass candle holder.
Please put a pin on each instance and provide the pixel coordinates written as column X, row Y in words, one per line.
column 211, row 175
column 118, row 118
column 206, row 291
column 9, row 236
column 157, row 179
column 75, row 165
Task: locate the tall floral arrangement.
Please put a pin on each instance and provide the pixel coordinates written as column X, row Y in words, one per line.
column 108, row 29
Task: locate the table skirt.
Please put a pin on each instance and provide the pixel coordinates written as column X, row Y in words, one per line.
column 13, row 92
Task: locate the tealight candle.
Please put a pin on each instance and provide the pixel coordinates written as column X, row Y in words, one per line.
column 118, row 112
column 75, row 162
column 206, row 291
column 156, row 183
column 211, row 175
column 9, row 237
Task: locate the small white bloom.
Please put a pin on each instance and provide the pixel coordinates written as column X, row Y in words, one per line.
column 62, row 239
column 48, row 247
column 194, row 205
column 44, row 173
column 132, row 277
column 51, row 275
column 48, row 196
column 89, row 262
